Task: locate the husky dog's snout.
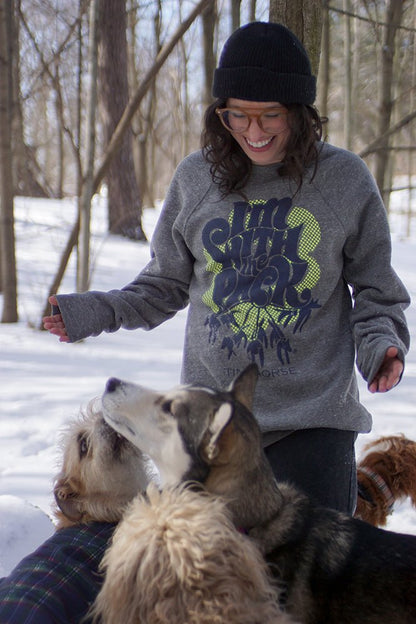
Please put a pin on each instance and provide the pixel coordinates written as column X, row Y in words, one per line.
column 112, row 384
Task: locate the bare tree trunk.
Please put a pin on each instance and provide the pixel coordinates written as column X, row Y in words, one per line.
column 124, row 200
column 393, row 21
column 348, row 76
column 79, row 99
column 185, row 107
column 235, row 14
column 59, row 193
column 88, row 182
column 132, row 22
column 410, row 156
column 143, row 148
column 209, row 21
column 136, row 126
column 304, row 18
column 252, row 10
column 26, row 179
column 324, row 69
column 356, row 86
column 7, row 243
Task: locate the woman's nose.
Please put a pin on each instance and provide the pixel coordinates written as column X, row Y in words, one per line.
column 254, row 129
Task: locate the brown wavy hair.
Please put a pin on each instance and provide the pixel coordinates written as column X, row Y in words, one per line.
column 231, row 167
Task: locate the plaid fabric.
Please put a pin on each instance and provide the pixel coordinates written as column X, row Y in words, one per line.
column 58, row 582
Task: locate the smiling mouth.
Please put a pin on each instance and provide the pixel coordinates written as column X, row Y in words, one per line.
column 259, row 144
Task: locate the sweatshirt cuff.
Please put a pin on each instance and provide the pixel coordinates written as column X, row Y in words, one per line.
column 370, row 366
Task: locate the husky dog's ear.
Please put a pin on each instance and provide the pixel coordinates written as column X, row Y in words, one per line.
column 68, row 501
column 220, row 420
column 243, row 386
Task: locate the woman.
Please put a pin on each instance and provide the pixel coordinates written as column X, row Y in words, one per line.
column 280, row 245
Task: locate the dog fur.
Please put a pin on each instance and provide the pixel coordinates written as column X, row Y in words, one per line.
column 386, row 473
column 335, row 569
column 101, row 472
column 177, row 557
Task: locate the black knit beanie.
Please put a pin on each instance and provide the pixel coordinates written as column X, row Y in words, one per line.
column 264, row 62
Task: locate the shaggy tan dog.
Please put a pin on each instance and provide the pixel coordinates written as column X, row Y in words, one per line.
column 101, row 472
column 176, row 557
column 386, row 473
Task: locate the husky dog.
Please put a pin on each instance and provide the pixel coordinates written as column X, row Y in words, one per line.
column 335, row 569
column 386, row 473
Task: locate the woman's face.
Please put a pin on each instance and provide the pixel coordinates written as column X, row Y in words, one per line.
column 263, row 148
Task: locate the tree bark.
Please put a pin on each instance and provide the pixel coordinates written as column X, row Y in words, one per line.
column 393, row 19
column 124, row 199
column 185, row 93
column 209, row 21
column 59, row 192
column 143, row 121
column 324, row 70
column 88, row 182
column 235, row 14
column 7, row 242
column 348, row 77
column 304, row 19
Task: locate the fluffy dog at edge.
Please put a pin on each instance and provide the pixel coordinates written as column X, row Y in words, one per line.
column 176, row 557
column 101, row 472
column 386, row 473
column 335, row 569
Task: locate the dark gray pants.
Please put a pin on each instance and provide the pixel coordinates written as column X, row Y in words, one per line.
column 321, row 462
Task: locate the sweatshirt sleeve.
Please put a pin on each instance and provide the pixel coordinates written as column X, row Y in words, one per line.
column 380, row 298
column 154, row 296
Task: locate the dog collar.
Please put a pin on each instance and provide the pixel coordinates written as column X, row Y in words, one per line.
column 381, row 486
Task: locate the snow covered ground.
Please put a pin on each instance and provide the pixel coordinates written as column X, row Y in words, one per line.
column 44, row 383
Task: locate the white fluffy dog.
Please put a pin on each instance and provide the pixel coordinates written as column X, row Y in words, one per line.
column 176, row 557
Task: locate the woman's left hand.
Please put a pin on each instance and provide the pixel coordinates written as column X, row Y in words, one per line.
column 388, row 375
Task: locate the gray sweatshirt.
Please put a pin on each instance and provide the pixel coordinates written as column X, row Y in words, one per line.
column 300, row 283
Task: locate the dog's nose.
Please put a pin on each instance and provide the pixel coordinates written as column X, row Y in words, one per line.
column 112, row 384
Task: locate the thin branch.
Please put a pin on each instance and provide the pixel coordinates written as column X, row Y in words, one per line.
column 369, row 20
column 45, row 64
column 375, row 145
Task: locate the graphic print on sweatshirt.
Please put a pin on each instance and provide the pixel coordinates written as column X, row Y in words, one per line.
column 263, row 276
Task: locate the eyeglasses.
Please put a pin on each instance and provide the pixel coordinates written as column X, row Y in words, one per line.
column 270, row 120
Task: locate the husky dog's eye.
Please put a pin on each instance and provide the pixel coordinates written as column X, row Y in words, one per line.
column 82, row 445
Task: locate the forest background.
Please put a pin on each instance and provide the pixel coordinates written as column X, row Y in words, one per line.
column 108, row 96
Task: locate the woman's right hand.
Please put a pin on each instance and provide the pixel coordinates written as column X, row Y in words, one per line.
column 55, row 324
